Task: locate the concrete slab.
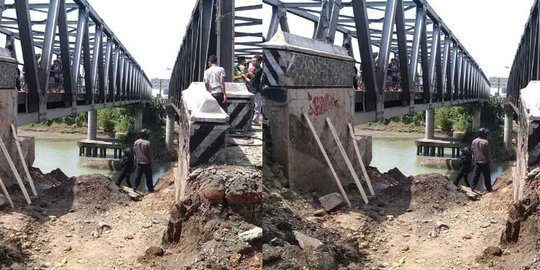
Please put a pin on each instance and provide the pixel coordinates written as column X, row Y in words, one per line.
column 202, row 106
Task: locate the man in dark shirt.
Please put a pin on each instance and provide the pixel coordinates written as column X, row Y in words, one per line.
column 481, row 159
column 255, row 87
column 143, row 160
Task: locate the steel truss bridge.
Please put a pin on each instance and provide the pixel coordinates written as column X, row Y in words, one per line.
column 526, row 66
column 224, row 28
column 98, row 71
column 436, row 69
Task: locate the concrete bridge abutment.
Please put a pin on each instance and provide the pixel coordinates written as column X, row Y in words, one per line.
column 477, row 117
column 309, row 79
column 528, row 140
column 8, row 113
column 138, row 114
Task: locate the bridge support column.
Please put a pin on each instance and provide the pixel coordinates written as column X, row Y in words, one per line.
column 138, row 119
column 169, row 129
column 508, row 123
column 92, row 125
column 477, row 115
column 430, row 124
column 528, row 139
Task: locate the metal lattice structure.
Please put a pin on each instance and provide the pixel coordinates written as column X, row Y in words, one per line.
column 217, row 27
column 526, row 66
column 97, row 70
column 436, row 68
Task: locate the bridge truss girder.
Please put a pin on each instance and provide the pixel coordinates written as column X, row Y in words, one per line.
column 526, row 65
column 71, row 29
column 421, row 41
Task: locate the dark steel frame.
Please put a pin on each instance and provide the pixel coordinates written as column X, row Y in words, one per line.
column 112, row 76
column 526, row 66
column 421, row 40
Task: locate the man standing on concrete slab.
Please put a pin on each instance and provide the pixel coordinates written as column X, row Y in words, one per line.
column 482, row 160
column 143, row 160
column 214, row 79
column 255, row 87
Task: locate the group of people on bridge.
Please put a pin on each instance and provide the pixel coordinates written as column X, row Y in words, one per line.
column 249, row 73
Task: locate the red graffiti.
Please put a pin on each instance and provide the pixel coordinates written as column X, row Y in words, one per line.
column 320, row 104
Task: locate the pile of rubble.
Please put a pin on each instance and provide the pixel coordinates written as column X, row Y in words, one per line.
column 218, row 224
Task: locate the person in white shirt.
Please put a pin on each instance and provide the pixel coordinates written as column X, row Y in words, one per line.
column 214, row 79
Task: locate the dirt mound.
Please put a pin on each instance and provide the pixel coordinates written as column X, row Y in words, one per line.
column 53, row 179
column 11, row 253
column 89, row 188
column 221, row 203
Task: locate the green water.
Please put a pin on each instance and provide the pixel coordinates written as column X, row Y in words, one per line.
column 64, row 154
column 401, row 153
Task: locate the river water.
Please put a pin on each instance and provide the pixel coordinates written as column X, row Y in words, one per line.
column 63, row 153
column 389, row 153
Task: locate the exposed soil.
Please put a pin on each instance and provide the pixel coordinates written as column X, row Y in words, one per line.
column 421, row 222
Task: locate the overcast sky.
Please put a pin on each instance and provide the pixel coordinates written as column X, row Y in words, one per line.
column 153, row 30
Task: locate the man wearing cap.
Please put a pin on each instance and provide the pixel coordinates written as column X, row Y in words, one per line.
column 481, row 159
column 143, row 160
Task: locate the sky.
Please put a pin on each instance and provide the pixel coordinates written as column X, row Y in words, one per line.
column 153, row 30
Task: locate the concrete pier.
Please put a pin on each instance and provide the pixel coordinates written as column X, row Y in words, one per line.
column 138, row 118
column 508, row 123
column 430, row 123
column 477, row 114
column 169, row 128
column 92, row 125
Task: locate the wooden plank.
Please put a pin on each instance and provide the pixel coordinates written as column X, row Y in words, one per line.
column 319, row 143
column 360, row 159
column 6, row 193
column 347, row 160
column 21, row 155
column 14, row 170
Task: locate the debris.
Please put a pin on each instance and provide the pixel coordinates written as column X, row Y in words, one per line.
column 251, row 235
column 332, row 202
column 306, row 242
column 128, row 236
column 531, row 175
column 442, row 226
column 319, row 213
column 467, row 236
column 155, row 251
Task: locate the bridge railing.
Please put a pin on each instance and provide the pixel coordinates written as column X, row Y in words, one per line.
column 217, row 27
column 405, row 37
column 526, row 65
column 94, row 68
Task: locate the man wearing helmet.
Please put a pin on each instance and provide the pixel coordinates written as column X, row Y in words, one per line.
column 481, row 159
column 143, row 160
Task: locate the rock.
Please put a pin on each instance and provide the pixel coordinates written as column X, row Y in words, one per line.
column 485, row 225
column 402, row 260
column 319, row 213
column 82, row 261
column 52, row 218
column 442, row 226
column 467, row 236
column 134, row 196
column 251, row 235
column 67, row 249
column 493, row 251
column 128, row 236
column 531, row 175
column 102, row 226
column 405, row 248
column 390, row 217
column 332, row 202
column 433, row 234
column 155, row 251
column 306, row 242
column 147, row 225
column 213, row 192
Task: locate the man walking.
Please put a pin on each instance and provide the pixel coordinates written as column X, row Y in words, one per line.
column 482, row 159
column 214, row 79
column 255, row 87
column 143, row 160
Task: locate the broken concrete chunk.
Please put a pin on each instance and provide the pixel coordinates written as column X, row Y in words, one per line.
column 332, row 202
column 306, row 242
column 251, row 235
